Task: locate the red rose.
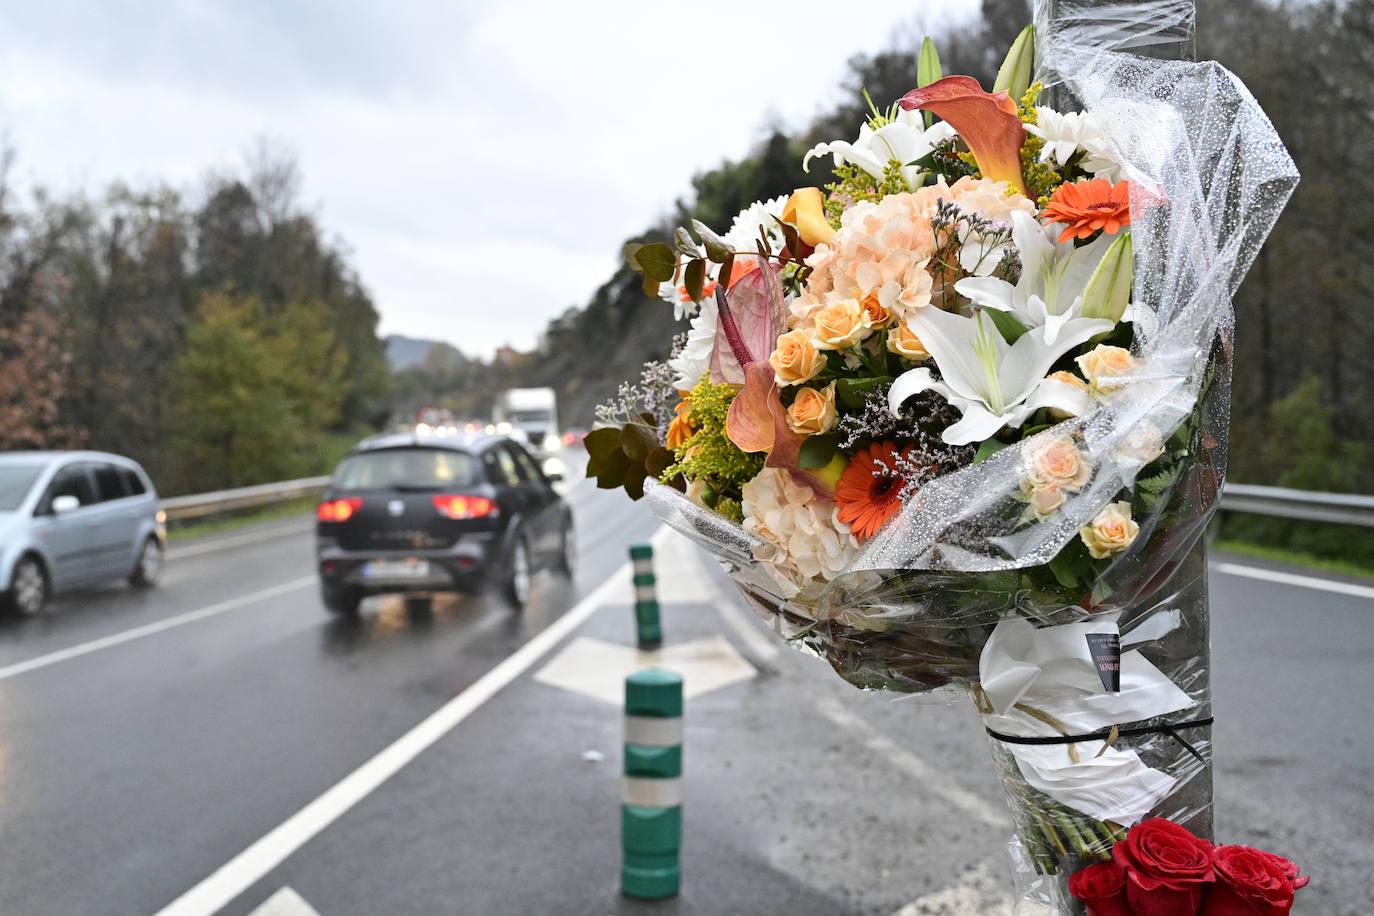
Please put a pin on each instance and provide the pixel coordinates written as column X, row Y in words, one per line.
column 1102, row 887
column 1249, row 883
column 1290, row 869
column 1167, row 868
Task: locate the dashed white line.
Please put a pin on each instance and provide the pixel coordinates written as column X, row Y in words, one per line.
column 246, row 868
column 161, row 626
column 1283, row 578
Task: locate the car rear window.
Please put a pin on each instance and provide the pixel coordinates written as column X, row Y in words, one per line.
column 133, row 484
column 408, row 469
column 15, row 482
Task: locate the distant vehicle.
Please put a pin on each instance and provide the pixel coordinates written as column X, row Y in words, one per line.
column 574, row 437
column 413, row 513
column 69, row 519
column 530, row 414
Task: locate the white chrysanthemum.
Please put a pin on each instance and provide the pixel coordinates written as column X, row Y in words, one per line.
column 813, row 542
column 760, row 215
column 743, row 236
column 1066, row 134
column 691, row 365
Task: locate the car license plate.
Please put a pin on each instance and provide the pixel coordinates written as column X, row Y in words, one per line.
column 409, row 568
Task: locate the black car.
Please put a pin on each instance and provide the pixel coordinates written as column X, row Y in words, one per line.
column 411, row 513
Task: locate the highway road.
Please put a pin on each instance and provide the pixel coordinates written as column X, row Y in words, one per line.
column 147, row 740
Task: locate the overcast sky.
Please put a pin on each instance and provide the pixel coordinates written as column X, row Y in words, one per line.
column 483, row 161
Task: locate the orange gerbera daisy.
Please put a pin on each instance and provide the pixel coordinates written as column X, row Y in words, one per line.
column 681, row 429
column 869, row 491
column 1084, row 207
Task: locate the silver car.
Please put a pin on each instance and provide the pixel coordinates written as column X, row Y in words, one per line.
column 69, row 519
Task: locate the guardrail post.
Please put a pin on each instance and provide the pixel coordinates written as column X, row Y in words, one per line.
column 649, row 631
column 651, row 801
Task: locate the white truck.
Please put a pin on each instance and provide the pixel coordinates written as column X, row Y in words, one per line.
column 529, row 414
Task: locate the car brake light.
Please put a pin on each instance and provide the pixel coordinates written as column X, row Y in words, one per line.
column 465, row 506
column 338, row 510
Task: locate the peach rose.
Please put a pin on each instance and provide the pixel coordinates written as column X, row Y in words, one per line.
column 840, row 325
column 795, row 359
column 1057, row 461
column 1112, row 531
column 904, row 342
column 1104, row 366
column 813, row 412
column 1046, row 499
column 1067, row 378
column 878, row 315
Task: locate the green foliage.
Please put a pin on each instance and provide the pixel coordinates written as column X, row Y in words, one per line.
column 255, row 396
column 1306, row 451
column 853, row 184
column 708, row 455
column 625, row 456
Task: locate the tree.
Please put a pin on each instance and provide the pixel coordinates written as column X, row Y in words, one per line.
column 34, row 356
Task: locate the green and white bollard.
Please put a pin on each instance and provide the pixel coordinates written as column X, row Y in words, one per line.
column 648, row 629
column 651, row 802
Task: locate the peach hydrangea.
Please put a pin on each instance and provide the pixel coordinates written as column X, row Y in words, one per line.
column 883, row 250
column 810, row 540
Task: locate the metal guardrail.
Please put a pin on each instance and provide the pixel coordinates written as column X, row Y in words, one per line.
column 199, row 505
column 1303, row 505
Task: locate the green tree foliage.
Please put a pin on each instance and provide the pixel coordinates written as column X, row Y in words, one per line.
column 255, row 395
column 129, row 281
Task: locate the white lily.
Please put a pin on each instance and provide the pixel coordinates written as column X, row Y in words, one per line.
column 904, row 139
column 1053, row 277
column 992, row 383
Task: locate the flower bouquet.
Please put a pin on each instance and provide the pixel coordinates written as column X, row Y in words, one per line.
column 958, row 420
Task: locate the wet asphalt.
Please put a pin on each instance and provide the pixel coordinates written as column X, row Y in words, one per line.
column 131, row 772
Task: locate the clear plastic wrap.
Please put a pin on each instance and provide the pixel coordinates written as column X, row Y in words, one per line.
column 942, row 596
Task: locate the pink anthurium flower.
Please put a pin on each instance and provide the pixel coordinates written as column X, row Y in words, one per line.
column 757, row 421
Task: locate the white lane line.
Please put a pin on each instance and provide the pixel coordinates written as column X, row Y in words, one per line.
column 181, row 620
column 246, row 868
column 257, row 537
column 285, row 902
column 1270, row 575
column 929, row 777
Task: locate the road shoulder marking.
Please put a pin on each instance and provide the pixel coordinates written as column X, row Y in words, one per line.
column 151, row 629
column 1300, row 581
column 931, row 778
column 249, row 866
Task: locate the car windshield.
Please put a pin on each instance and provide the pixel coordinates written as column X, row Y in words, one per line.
column 408, row 469
column 15, row 482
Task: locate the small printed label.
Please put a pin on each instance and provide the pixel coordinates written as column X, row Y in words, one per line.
column 1106, row 653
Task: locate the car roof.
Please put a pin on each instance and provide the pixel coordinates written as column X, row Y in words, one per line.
column 47, row 457
column 458, row 442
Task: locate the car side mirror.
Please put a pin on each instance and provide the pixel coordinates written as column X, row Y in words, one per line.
column 64, row 504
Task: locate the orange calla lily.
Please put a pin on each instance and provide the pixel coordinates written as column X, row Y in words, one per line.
column 805, row 210
column 986, row 121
